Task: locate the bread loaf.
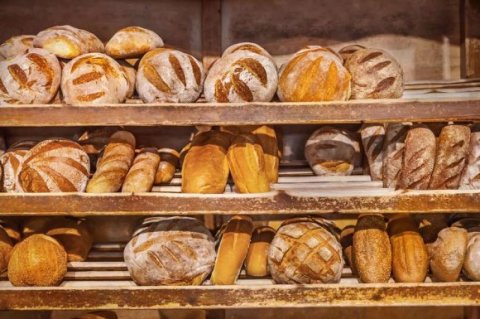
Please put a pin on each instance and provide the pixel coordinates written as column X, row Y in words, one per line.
column 38, row 260
column 430, row 225
column 6, row 246
column 132, row 42
column 141, row 175
column 168, row 165
column 68, row 42
column 447, row 254
column 247, row 165
column 15, row 46
column 372, row 252
column 98, row 315
column 166, row 75
column 10, row 162
column 409, row 253
column 304, row 251
column 375, row 74
column 12, row 230
column 347, row 51
column 232, row 250
column 170, row 251
column 346, row 240
column 94, row 142
column 256, row 262
column 451, row 157
column 372, row 140
column 471, row 174
column 267, row 138
column 131, row 74
column 471, row 265
column 33, row 77
column 73, row 235
column 418, row 159
column 114, row 165
column 242, row 76
column 331, row 151
column 55, row 165
column 314, row 74
column 247, row 46
column 393, row 148
column 94, row 78
column 205, row 166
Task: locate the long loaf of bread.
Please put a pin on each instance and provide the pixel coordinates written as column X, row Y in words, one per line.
column 372, row 140
column 141, row 175
column 393, row 149
column 471, row 174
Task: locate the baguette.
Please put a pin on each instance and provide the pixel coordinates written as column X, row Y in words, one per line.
column 372, row 140
column 168, row 165
column 393, row 149
column 141, row 175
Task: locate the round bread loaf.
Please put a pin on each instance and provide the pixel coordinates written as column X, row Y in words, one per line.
column 170, row 251
column 314, row 74
column 131, row 42
column 55, row 165
column 375, row 75
column 15, row 46
column 68, row 42
column 38, row 260
column 33, row 77
column 166, row 75
column 10, row 161
column 304, row 251
column 6, row 246
column 247, row 46
column 256, row 262
column 332, row 152
column 347, row 51
column 471, row 265
column 94, row 78
column 74, row 236
column 242, row 76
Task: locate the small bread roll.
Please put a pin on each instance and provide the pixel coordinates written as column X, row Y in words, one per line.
column 141, row 175
column 15, row 46
column 132, row 42
column 168, row 165
column 68, row 42
column 6, row 246
column 232, row 250
column 256, row 262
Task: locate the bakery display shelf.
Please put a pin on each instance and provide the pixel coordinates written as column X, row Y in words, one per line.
column 103, row 282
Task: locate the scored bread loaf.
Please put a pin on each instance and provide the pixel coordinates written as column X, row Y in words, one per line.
column 247, row 165
column 373, row 137
column 15, row 46
column 314, row 74
column 6, row 246
column 94, row 78
column 56, row 165
column 170, row 251
column 167, row 166
column 471, row 174
column 418, row 159
column 167, row 75
column 451, row 157
column 132, row 42
column 10, row 162
column 205, row 166
column 232, row 250
column 68, row 42
column 375, row 74
column 394, row 146
column 331, row 151
column 33, row 77
column 141, row 175
column 347, row 51
column 114, row 165
column 346, row 240
column 256, row 262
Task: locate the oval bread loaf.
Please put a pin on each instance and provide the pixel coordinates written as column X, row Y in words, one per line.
column 168, row 165
column 141, row 175
column 131, row 42
column 256, row 262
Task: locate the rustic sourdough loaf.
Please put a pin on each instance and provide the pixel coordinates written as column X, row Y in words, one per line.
column 132, row 42
column 15, row 46
column 256, row 262
column 167, row 166
column 471, row 174
column 141, row 175
column 393, row 148
column 10, row 162
column 373, row 137
column 347, row 51
column 247, row 46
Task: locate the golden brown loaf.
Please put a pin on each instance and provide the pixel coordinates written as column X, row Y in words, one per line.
column 373, row 137
column 347, row 51
column 267, row 138
column 394, row 146
column 38, row 260
column 205, row 166
column 314, row 74
column 131, row 42
column 73, row 235
column 68, row 42
column 170, row 251
column 409, row 253
column 372, row 253
column 256, row 262
column 346, row 240
column 241, row 76
column 168, row 165
column 94, row 78
column 331, row 151
column 15, row 46
column 167, row 75
column 304, row 251
column 232, row 250
column 56, row 165
column 451, row 157
column 114, row 165
column 6, row 246
column 33, row 77
column 10, row 162
column 418, row 159
column 471, row 174
column 247, row 165
column 375, row 74
column 141, row 175
column 98, row 315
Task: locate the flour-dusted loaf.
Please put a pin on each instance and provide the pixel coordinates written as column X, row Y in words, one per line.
column 6, row 245
column 15, row 46
column 451, row 157
column 141, row 175
column 68, row 42
column 331, row 151
column 167, row 75
column 114, row 164
column 314, row 74
column 132, row 42
column 94, row 78
column 347, row 51
column 471, row 174
column 304, row 251
column 170, row 251
column 168, row 165
column 375, row 74
column 33, row 77
column 471, row 265
column 373, row 137
column 256, row 262
column 393, row 148
column 55, row 165
column 418, row 159
column 10, row 162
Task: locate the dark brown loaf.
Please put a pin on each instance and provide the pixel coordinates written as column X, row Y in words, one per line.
column 346, row 239
column 373, row 136
column 168, row 165
column 418, row 159
column 451, row 158
column 430, row 225
column 394, row 146
column 73, row 235
column 471, row 174
column 141, row 175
